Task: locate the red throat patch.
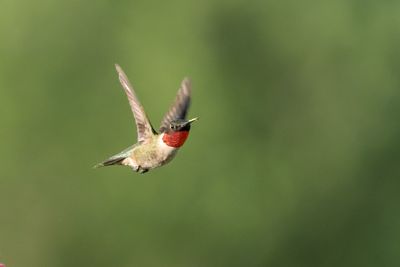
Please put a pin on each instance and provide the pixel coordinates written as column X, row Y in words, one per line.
column 175, row 139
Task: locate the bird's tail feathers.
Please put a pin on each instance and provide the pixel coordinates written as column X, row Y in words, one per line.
column 109, row 162
column 116, row 159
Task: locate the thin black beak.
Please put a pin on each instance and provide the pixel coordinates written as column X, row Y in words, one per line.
column 190, row 121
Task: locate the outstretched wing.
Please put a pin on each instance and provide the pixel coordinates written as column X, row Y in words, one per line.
column 180, row 107
column 143, row 125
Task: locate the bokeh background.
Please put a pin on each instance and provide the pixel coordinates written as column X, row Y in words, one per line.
column 294, row 161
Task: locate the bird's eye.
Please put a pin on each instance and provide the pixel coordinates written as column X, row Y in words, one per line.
column 171, row 126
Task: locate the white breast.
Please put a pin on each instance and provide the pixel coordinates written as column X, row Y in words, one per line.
column 167, row 151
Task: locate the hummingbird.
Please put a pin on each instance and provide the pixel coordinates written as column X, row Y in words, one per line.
column 154, row 149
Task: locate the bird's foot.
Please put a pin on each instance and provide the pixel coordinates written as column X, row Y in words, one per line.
column 142, row 170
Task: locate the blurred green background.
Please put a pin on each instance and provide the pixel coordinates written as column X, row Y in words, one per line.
column 294, row 162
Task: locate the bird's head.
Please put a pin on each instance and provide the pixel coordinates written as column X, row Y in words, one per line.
column 178, row 131
column 180, row 125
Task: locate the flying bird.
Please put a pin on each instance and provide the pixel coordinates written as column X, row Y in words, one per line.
column 154, row 149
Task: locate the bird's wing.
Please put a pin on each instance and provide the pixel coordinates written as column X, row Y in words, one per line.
column 180, row 107
column 144, row 128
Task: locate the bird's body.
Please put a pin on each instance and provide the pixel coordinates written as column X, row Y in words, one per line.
column 154, row 149
column 149, row 155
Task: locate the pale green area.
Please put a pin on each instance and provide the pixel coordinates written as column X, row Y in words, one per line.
column 294, row 161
